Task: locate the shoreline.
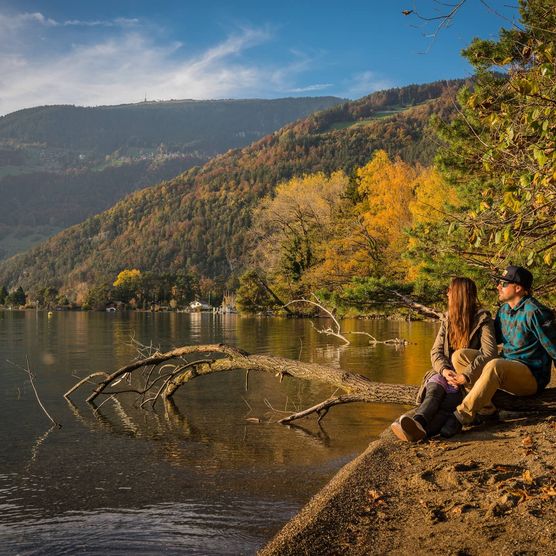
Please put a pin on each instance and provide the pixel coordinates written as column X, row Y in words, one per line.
column 397, row 317
column 490, row 486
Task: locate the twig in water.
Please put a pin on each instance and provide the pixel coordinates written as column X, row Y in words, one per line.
column 328, row 331
column 112, row 397
column 247, row 404
column 31, row 377
column 391, row 341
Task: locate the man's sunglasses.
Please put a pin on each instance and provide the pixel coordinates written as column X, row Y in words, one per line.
column 503, row 283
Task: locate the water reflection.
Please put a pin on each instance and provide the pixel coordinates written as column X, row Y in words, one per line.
column 195, row 471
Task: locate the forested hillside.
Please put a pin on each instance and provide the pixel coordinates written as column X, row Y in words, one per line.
column 61, row 164
column 489, row 200
column 198, row 220
column 38, row 205
column 207, row 126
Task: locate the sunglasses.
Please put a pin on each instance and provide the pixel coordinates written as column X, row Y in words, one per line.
column 503, row 283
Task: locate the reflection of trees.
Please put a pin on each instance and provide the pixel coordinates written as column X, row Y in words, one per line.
column 179, row 441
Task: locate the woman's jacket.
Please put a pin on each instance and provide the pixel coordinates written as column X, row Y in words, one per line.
column 482, row 338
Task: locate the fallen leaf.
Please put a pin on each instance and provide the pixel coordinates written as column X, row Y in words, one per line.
column 527, row 441
column 548, row 491
column 527, row 477
column 375, row 494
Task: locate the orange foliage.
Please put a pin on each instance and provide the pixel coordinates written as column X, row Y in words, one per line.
column 387, row 189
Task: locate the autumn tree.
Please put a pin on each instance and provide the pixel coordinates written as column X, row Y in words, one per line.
column 292, row 227
column 431, row 260
column 386, row 188
column 500, row 153
column 127, row 285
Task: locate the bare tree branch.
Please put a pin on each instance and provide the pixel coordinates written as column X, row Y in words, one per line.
column 423, row 309
column 328, row 331
column 31, row 376
column 356, row 388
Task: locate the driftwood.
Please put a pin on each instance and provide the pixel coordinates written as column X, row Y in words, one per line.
column 336, row 330
column 162, row 374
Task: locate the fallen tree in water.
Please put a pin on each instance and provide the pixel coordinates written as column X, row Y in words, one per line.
column 160, row 375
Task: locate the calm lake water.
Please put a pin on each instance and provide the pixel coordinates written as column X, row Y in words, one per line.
column 193, row 477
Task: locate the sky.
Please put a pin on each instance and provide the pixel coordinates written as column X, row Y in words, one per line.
column 99, row 52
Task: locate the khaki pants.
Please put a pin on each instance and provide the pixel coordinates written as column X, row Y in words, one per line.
column 461, row 359
column 508, row 375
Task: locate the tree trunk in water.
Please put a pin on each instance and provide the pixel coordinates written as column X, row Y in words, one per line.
column 217, row 358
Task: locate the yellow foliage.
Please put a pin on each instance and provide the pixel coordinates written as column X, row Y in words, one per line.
column 432, row 196
column 313, row 196
column 431, row 202
column 387, row 189
column 311, row 235
column 126, row 277
column 300, row 214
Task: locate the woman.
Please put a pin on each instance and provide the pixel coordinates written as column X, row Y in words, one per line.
column 464, row 343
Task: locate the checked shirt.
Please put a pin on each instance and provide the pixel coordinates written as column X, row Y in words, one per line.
column 528, row 335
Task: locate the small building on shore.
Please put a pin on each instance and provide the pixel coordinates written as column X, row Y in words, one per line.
column 198, row 306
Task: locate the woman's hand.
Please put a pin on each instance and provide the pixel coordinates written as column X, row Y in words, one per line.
column 453, row 379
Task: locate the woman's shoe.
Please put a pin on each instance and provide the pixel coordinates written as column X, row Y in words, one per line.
column 451, row 427
column 408, row 430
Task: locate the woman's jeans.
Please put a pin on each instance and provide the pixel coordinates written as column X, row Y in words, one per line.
column 436, row 407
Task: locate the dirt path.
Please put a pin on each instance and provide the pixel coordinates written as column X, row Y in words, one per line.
column 490, row 490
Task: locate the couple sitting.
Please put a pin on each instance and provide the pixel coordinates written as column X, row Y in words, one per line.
column 467, row 369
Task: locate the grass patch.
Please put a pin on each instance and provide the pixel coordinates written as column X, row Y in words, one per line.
column 378, row 115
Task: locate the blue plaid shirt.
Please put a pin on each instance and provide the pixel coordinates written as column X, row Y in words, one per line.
column 528, row 335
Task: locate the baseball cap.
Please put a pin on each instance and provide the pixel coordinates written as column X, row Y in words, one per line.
column 516, row 275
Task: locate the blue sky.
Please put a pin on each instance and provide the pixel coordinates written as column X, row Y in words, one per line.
column 111, row 52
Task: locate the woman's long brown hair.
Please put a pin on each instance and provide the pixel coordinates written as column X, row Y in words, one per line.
column 462, row 307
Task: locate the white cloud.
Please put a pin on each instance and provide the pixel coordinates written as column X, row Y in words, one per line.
column 126, row 63
column 14, row 22
column 365, row 83
column 118, row 22
column 309, row 88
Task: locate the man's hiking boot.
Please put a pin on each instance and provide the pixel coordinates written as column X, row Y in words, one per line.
column 489, row 419
column 451, row 427
column 408, row 430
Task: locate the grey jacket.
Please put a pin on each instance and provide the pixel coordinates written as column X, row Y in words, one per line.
column 482, row 338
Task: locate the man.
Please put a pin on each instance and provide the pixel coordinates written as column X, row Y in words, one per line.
column 527, row 331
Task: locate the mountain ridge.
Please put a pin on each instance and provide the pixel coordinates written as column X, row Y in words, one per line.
column 60, row 164
column 198, row 219
column 151, row 123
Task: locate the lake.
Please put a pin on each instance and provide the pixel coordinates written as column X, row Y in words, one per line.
column 194, row 476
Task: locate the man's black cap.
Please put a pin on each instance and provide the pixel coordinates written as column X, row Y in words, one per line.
column 517, row 275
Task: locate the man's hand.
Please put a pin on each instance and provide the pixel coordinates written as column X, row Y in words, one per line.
column 454, row 379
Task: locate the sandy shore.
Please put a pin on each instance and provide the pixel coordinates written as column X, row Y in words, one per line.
column 490, row 490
